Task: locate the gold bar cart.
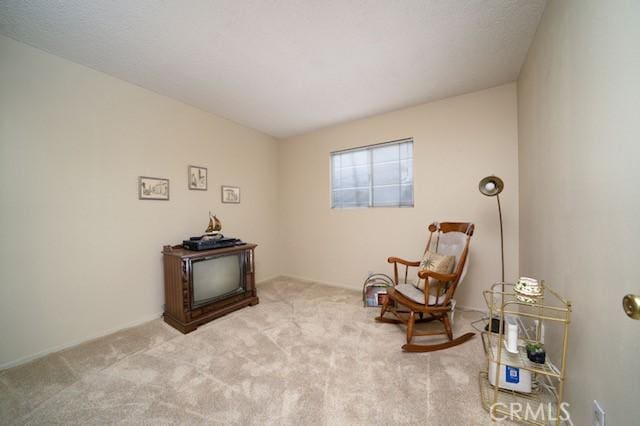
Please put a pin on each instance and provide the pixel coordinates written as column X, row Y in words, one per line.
column 544, row 405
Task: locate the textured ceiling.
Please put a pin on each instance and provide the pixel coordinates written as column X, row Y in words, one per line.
column 286, row 67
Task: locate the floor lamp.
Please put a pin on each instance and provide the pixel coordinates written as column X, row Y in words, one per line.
column 492, row 186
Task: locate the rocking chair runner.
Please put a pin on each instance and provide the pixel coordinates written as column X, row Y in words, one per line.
column 435, row 301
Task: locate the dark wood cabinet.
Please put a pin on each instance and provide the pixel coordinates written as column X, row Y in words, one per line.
column 182, row 310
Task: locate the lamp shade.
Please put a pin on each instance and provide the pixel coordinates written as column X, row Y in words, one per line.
column 491, row 186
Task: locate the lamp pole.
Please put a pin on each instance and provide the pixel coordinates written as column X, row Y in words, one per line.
column 492, row 186
column 501, row 240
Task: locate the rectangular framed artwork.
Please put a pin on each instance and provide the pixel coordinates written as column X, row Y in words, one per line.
column 230, row 194
column 151, row 188
column 197, row 178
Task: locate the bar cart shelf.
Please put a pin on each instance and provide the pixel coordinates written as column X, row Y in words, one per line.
column 543, row 405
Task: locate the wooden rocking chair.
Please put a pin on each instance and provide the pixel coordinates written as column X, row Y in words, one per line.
column 435, row 301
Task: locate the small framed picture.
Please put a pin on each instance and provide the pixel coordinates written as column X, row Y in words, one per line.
column 197, row 178
column 151, row 188
column 230, row 194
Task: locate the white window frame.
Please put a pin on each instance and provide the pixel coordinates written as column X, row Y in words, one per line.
column 369, row 149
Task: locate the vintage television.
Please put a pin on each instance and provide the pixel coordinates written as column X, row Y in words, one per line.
column 216, row 277
column 203, row 285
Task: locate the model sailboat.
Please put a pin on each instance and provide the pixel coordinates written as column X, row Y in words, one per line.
column 214, row 227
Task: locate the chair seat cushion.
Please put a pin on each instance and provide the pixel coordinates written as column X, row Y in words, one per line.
column 416, row 294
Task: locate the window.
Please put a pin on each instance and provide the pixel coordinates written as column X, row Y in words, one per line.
column 378, row 175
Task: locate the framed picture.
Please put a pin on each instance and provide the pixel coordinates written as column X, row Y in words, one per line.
column 151, row 188
column 197, row 178
column 230, row 194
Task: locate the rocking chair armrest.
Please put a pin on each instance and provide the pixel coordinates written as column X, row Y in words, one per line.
column 425, row 273
column 403, row 261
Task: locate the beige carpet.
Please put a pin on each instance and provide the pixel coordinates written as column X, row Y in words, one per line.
column 307, row 354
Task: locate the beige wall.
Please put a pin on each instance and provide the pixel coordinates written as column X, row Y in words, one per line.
column 457, row 141
column 79, row 253
column 579, row 144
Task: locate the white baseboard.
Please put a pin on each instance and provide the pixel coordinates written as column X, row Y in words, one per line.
column 312, row 281
column 58, row 348
column 151, row 317
column 271, row 278
column 332, row 284
column 40, row 354
column 470, row 309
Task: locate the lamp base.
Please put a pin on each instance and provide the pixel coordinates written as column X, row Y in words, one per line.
column 495, row 326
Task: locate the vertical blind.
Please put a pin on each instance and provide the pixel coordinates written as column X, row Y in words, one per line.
column 378, row 175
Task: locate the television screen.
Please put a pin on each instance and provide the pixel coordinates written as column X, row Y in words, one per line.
column 215, row 277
